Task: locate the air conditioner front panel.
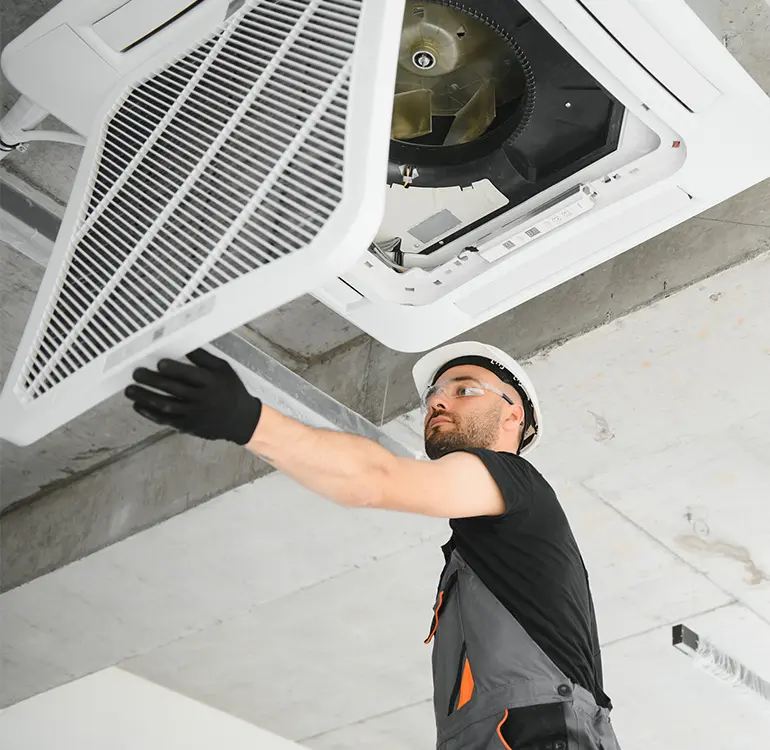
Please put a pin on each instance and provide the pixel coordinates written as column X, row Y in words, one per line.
column 225, row 183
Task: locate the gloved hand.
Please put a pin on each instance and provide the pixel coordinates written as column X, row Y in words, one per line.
column 207, row 400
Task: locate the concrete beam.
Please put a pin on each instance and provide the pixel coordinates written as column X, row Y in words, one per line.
column 164, row 474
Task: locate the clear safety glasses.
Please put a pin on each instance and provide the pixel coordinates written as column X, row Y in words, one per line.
column 459, row 388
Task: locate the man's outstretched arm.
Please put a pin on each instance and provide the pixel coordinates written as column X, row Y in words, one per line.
column 348, row 469
column 358, row 472
column 208, row 399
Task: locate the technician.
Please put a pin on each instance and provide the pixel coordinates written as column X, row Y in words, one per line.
column 516, row 659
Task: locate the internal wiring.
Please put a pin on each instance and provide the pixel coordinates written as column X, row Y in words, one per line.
column 401, row 262
column 381, row 250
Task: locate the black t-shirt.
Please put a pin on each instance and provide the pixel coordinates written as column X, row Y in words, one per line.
column 529, row 559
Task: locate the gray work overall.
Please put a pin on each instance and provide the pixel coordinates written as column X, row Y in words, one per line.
column 488, row 672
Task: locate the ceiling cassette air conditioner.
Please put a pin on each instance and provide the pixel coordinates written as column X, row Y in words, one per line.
column 534, row 140
column 420, row 167
column 215, row 186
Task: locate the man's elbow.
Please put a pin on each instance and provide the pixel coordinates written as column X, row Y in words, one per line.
column 368, row 490
column 375, row 485
column 360, row 497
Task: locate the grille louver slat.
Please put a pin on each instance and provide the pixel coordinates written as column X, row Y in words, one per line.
column 221, row 163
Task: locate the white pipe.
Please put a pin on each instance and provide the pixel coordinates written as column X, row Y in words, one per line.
column 17, row 127
column 54, row 135
column 24, row 115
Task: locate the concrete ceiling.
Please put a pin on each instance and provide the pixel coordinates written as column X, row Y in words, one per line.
column 307, row 619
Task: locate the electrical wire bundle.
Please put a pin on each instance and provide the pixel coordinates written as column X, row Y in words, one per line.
column 382, row 251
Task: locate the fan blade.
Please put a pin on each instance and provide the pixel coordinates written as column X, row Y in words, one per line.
column 412, row 115
column 466, row 53
column 474, row 118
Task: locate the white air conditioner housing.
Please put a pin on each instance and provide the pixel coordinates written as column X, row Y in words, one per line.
column 692, row 131
column 241, row 154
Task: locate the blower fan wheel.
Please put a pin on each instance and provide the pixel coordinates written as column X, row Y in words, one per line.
column 456, row 76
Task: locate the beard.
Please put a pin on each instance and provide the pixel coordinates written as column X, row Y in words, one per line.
column 470, row 431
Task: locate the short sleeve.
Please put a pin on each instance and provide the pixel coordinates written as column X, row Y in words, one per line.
column 513, row 476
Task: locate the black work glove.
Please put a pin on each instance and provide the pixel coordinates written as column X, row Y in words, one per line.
column 207, row 400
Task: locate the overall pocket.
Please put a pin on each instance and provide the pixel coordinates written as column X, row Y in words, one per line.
column 442, row 598
column 452, row 676
column 464, row 685
column 540, row 727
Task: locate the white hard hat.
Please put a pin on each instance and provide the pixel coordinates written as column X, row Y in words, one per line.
column 424, row 374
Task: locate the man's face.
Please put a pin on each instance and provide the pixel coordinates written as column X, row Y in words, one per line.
column 470, row 422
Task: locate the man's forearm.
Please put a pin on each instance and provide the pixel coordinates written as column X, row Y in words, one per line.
column 348, row 469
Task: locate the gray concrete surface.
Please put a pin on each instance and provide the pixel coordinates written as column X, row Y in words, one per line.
column 745, row 31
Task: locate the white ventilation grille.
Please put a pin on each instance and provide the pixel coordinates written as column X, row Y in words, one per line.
column 227, row 160
column 220, row 165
